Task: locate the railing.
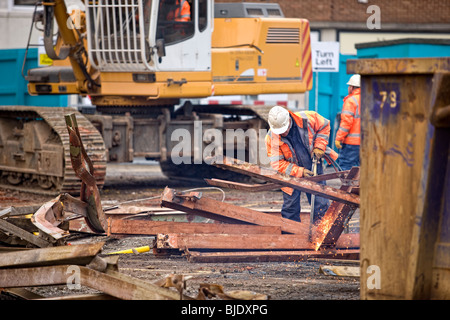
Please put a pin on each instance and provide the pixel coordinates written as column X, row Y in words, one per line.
column 116, row 36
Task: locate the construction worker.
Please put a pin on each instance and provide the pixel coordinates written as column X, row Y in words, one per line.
column 181, row 11
column 292, row 141
column 348, row 136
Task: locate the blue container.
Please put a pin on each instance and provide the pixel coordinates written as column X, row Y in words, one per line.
column 404, row 48
column 13, row 86
column 330, row 93
column 332, row 85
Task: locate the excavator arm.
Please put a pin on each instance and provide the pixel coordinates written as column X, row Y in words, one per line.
column 70, row 57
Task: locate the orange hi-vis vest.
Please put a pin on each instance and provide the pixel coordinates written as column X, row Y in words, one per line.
column 350, row 128
column 314, row 133
column 181, row 13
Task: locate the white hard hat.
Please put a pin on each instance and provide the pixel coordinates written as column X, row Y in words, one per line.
column 278, row 120
column 355, row 81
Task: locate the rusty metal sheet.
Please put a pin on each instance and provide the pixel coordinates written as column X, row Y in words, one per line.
column 270, row 175
column 48, row 217
column 398, row 66
column 332, row 224
column 84, row 170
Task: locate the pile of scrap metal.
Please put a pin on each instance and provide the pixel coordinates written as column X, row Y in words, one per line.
column 239, row 234
column 242, row 234
column 79, row 267
column 250, row 235
column 49, row 223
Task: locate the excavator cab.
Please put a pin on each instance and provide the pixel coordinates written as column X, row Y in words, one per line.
column 145, row 35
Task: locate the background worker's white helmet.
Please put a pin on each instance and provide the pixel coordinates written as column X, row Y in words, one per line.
column 278, row 120
column 355, row 81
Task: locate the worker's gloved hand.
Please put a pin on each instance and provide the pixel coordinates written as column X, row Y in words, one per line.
column 319, row 153
column 307, row 173
column 338, row 144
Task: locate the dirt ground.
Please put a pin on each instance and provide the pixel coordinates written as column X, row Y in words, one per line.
column 294, row 280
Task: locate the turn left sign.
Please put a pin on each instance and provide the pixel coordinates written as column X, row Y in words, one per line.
column 325, row 56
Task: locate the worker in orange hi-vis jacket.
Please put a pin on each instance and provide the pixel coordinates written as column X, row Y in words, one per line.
column 348, row 136
column 181, row 11
column 291, row 143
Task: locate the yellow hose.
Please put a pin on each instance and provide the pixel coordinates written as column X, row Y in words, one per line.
column 133, row 250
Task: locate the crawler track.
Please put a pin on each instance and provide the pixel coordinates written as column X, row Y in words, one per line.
column 27, row 175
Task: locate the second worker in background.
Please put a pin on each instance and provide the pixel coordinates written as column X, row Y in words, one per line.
column 348, row 137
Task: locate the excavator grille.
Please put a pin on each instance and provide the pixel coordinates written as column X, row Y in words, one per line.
column 118, row 35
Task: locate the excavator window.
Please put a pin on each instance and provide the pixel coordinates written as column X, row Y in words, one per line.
column 202, row 14
column 24, row 2
column 176, row 20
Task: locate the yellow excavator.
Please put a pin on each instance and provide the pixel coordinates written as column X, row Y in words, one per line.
column 142, row 68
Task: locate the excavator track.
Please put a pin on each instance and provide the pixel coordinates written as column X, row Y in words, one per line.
column 30, row 169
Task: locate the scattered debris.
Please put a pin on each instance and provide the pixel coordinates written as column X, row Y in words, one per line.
column 340, row 271
column 327, row 240
column 212, row 231
column 82, row 265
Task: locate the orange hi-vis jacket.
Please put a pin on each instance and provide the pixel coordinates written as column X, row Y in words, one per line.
column 181, row 13
column 314, row 132
column 350, row 128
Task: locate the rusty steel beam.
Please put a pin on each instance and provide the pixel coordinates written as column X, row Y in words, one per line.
column 76, row 254
column 111, row 283
column 10, row 228
column 332, row 223
column 21, row 293
column 18, row 211
column 194, row 203
column 83, row 297
column 270, row 256
column 270, row 175
column 270, row 186
column 232, row 241
column 143, row 227
column 242, row 186
column 329, row 176
column 247, row 241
